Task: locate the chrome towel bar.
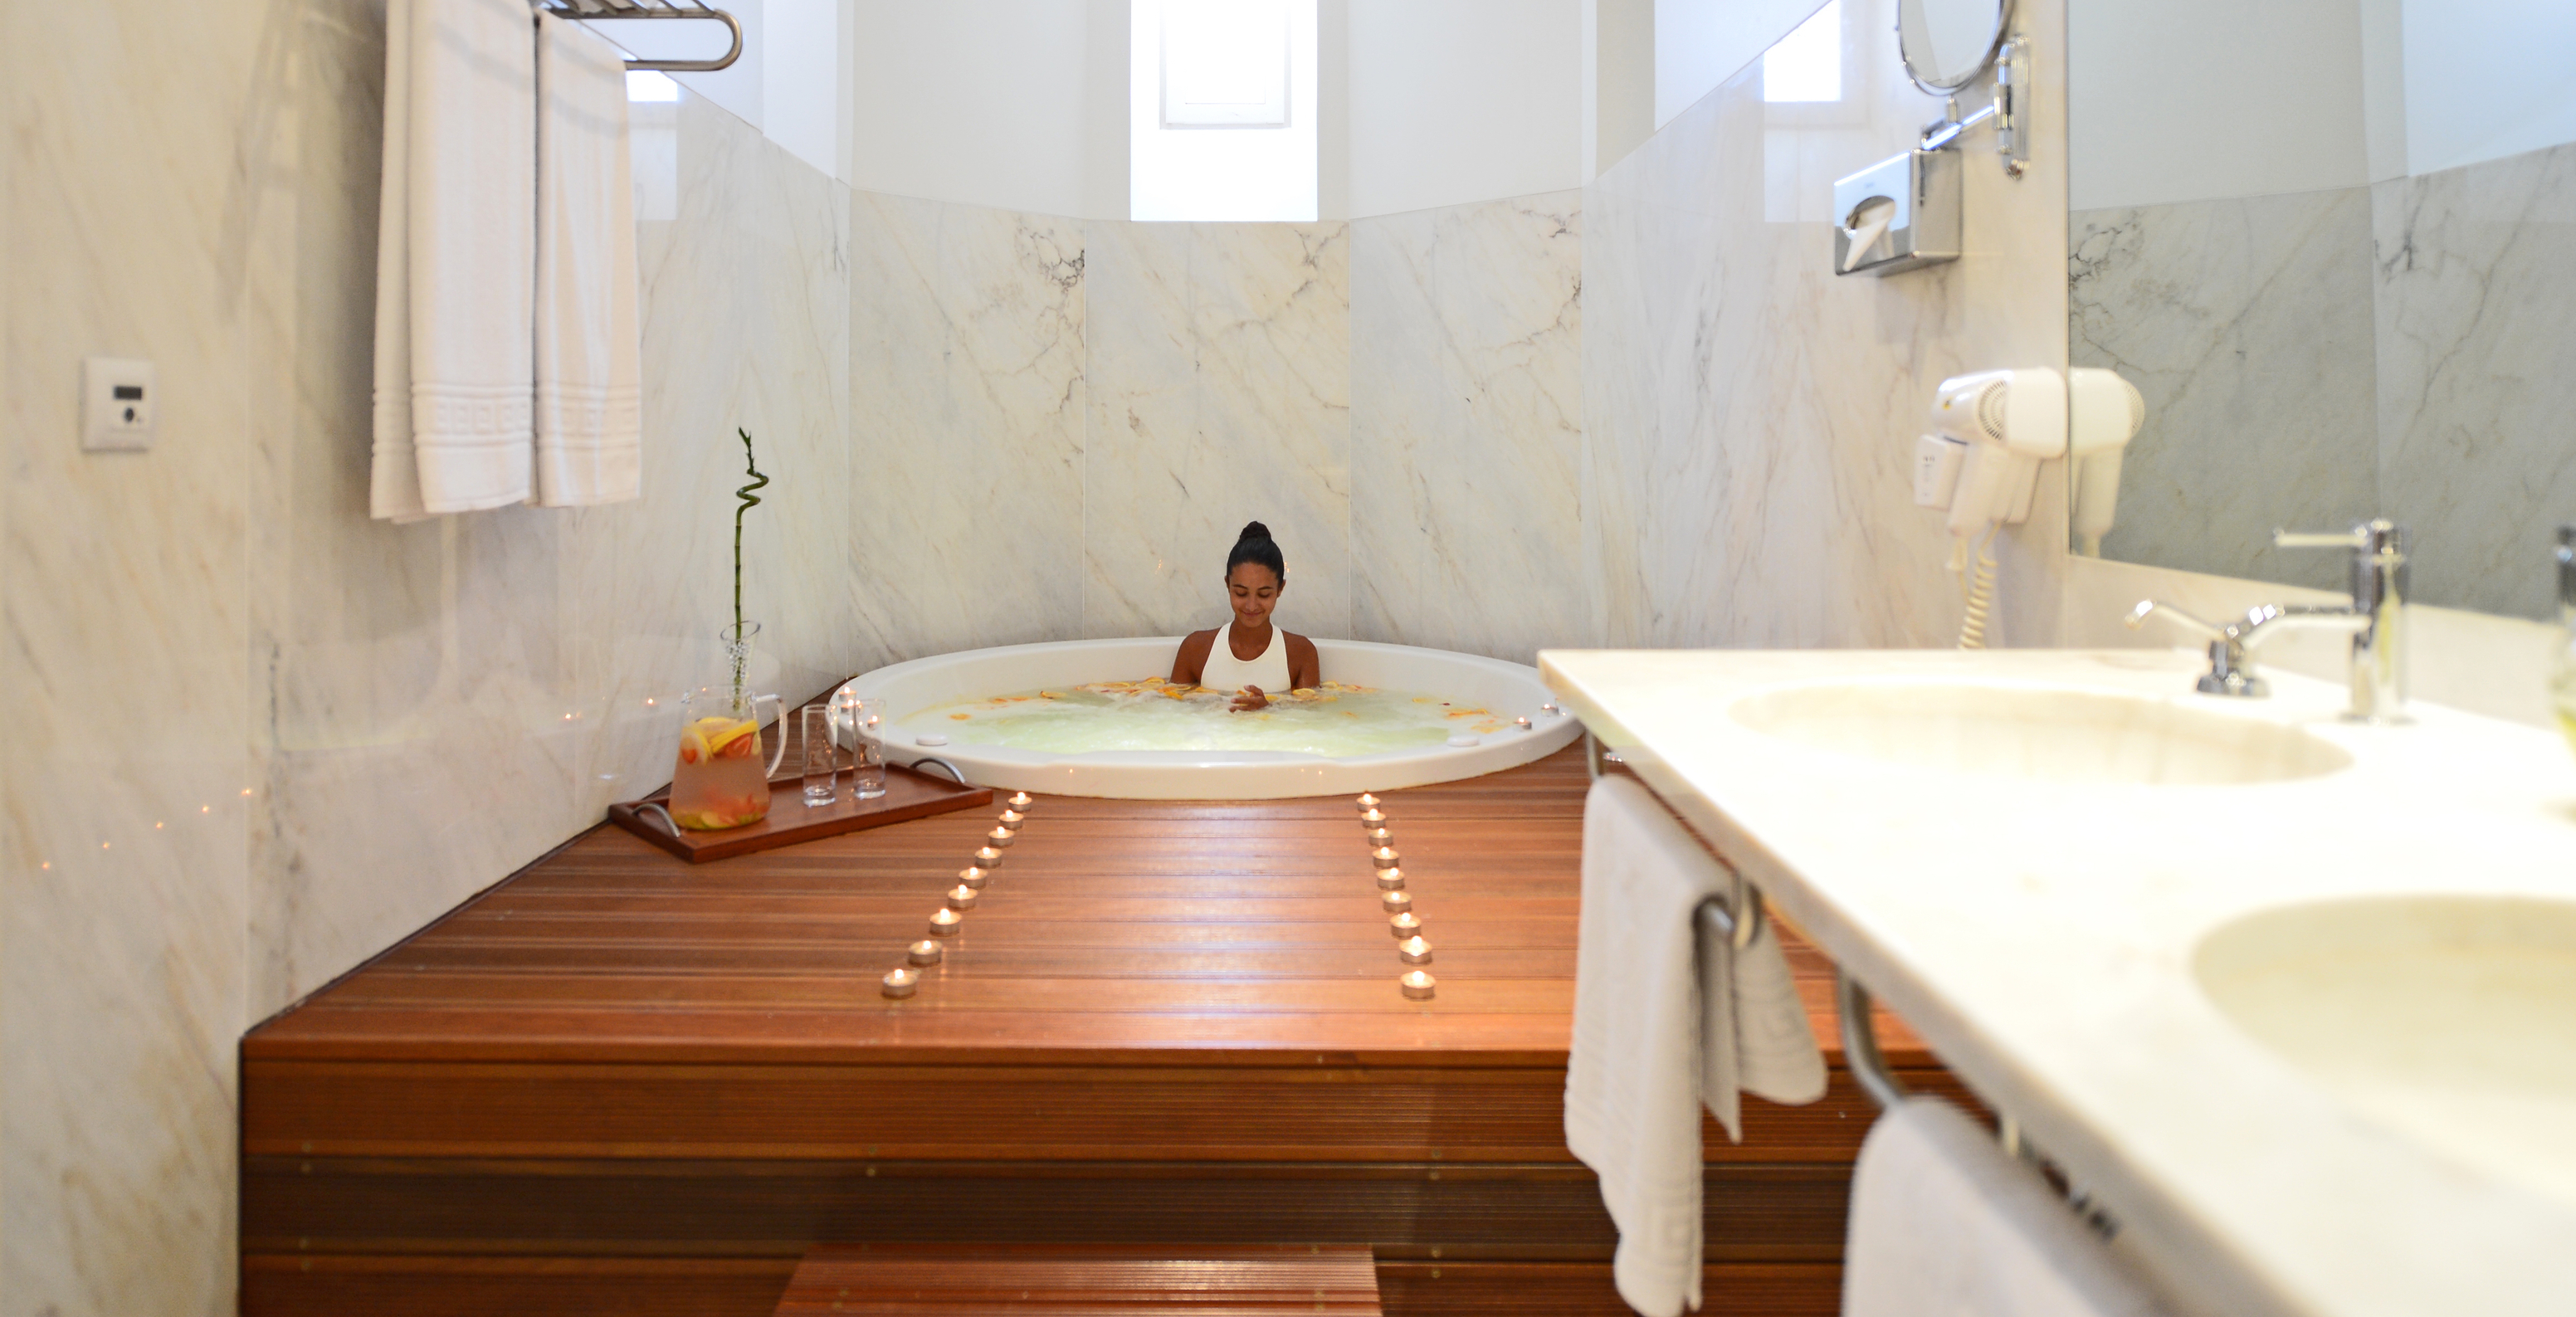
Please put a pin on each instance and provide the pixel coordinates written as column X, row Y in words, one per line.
column 596, row 11
column 1860, row 1044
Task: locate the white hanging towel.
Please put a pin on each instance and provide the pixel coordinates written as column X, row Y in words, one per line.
column 1942, row 1222
column 588, row 333
column 455, row 259
column 1652, row 1043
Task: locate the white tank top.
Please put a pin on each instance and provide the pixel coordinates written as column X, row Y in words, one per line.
column 1224, row 672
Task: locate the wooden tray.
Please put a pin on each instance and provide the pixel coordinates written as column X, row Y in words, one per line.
column 909, row 795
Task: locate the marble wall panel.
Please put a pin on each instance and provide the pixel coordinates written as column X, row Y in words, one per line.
column 133, row 227
column 1749, row 416
column 263, row 736
column 2246, row 325
column 2477, row 375
column 1219, row 389
column 1466, row 427
column 967, row 407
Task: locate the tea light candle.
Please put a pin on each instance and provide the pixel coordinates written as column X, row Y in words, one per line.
column 974, row 877
column 1550, row 710
column 1020, row 801
column 1367, row 801
column 1390, row 879
column 1012, row 819
column 1381, row 837
column 1396, row 901
column 1384, row 857
column 999, row 837
column 1415, row 950
column 1418, row 985
column 961, row 897
column 1522, row 723
column 927, row 952
column 945, row 921
column 1372, row 819
column 1405, row 925
column 989, row 857
column 900, row 982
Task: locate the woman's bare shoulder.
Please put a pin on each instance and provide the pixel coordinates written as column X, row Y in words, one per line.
column 1299, row 646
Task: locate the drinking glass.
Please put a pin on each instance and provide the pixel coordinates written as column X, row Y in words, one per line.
column 863, row 721
column 822, row 759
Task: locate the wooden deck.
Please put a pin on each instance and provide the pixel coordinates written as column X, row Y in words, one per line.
column 619, row 1082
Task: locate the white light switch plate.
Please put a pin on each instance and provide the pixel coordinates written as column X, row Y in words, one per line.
column 118, row 398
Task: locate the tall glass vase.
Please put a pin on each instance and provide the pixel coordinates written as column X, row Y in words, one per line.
column 737, row 639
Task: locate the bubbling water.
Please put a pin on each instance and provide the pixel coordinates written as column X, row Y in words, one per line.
column 1335, row 720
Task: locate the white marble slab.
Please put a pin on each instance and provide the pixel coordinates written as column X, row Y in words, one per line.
column 264, row 735
column 1466, row 427
column 138, row 224
column 2246, row 325
column 967, row 408
column 2039, row 934
column 1219, row 383
column 2477, row 374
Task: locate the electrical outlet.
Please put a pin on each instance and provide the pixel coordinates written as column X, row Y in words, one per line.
column 118, row 398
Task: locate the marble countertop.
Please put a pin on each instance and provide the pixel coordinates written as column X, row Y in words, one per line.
column 2039, row 936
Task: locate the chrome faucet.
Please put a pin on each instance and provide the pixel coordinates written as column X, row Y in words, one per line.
column 2375, row 618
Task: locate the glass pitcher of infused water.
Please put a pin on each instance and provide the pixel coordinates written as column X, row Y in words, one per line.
column 721, row 780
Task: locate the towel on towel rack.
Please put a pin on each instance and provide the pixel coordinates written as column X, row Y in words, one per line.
column 588, row 335
column 455, row 259
column 1652, row 1042
column 1943, row 1222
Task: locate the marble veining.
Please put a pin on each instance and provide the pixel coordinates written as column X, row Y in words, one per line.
column 2476, row 373
column 1466, row 427
column 967, row 407
column 1219, row 378
column 1749, row 416
column 263, row 737
column 2246, row 325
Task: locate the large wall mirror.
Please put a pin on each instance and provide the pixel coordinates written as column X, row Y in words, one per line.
column 2333, row 244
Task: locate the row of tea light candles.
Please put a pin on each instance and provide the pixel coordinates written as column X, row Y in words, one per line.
column 904, row 980
column 1414, row 949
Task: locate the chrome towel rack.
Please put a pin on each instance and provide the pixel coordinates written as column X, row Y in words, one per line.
column 598, row 11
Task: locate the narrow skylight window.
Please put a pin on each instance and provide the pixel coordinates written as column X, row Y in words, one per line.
column 1225, row 65
column 1221, row 122
column 1807, row 64
column 647, row 85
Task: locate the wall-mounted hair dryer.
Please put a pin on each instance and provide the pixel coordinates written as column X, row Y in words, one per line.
column 2104, row 412
column 1991, row 430
column 2010, row 421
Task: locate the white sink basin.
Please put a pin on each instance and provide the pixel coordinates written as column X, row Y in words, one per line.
column 2450, row 1020
column 2047, row 733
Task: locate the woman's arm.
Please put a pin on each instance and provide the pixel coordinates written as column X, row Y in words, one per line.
column 1191, row 661
column 1305, row 666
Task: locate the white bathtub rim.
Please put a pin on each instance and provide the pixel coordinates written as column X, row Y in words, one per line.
column 1245, row 775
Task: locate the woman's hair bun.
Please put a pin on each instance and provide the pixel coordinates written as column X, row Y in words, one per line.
column 1253, row 530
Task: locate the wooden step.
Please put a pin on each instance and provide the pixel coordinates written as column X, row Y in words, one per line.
column 956, row 1280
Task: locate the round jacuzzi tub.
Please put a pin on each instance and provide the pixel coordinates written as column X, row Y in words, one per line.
column 1476, row 704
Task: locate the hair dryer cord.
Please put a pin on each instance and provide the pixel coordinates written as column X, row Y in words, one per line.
column 1980, row 592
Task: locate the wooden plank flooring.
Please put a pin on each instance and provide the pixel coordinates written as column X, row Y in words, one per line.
column 948, row 1280
column 1163, row 1023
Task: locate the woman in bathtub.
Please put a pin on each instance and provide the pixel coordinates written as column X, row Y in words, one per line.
column 1250, row 657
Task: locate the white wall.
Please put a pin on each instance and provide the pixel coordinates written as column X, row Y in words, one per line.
column 1453, row 101
column 2487, row 79
column 2190, row 100
column 1618, row 80
column 801, row 52
column 1016, row 104
column 1701, row 43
